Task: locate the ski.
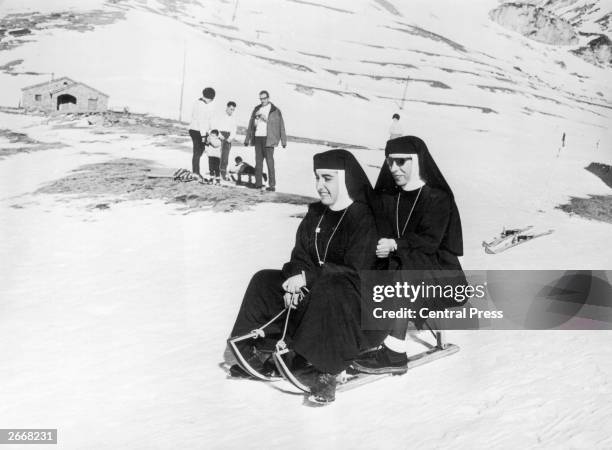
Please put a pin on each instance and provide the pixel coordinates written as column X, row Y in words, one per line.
column 505, row 235
column 517, row 239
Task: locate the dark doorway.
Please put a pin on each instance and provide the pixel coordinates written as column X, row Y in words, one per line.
column 64, row 101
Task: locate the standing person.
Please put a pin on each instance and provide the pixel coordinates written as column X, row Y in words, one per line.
column 422, row 233
column 226, row 124
column 395, row 130
column 266, row 128
column 201, row 117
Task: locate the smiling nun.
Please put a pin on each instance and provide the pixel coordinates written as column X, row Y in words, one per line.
column 335, row 240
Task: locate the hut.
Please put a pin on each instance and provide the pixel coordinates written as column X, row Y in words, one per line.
column 63, row 94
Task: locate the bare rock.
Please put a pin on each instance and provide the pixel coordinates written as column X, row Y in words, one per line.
column 597, row 51
column 535, row 23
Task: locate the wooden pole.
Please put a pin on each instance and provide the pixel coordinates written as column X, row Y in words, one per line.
column 235, row 10
column 183, row 82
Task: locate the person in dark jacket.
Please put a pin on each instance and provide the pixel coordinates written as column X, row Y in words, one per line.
column 422, row 232
column 265, row 130
column 335, row 240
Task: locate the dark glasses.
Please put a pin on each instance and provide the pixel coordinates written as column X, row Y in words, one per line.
column 399, row 162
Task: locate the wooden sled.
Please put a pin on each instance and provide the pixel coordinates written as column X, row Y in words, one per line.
column 352, row 378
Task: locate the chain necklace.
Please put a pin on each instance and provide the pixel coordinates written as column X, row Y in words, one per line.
column 318, row 230
column 409, row 215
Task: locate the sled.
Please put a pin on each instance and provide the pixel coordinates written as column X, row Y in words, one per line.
column 513, row 241
column 186, row 176
column 352, row 378
column 506, row 234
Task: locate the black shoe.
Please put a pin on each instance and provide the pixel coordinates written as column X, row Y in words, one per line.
column 323, row 388
column 382, row 361
column 259, row 361
column 271, row 189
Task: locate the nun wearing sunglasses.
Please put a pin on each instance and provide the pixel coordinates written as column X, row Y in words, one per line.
column 419, row 229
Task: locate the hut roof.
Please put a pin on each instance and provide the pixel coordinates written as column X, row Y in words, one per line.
column 61, row 88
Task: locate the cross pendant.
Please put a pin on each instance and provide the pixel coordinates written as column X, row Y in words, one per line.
column 321, row 263
column 318, row 230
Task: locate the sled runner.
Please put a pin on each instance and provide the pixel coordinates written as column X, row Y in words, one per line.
column 255, row 334
column 352, row 378
column 512, row 241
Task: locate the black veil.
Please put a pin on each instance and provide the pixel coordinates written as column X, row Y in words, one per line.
column 357, row 182
column 431, row 175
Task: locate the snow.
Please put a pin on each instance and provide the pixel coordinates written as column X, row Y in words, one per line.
column 113, row 323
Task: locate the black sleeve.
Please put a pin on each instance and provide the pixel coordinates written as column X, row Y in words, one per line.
column 430, row 231
column 300, row 256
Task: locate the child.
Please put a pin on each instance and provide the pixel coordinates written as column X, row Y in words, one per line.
column 213, row 150
column 241, row 168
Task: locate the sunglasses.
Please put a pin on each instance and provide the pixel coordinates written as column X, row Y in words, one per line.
column 263, row 98
column 399, row 162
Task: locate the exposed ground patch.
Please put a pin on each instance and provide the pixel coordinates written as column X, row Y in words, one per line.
column 530, row 111
column 24, row 25
column 233, row 39
column 483, row 109
column 280, row 62
column 432, row 83
column 603, row 171
column 388, row 6
column 331, row 8
column 596, row 207
column 392, row 64
column 126, row 179
column 310, row 90
column 315, row 55
column 417, row 31
column 22, row 143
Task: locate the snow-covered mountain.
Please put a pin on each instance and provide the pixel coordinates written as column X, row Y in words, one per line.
column 347, row 63
column 583, row 25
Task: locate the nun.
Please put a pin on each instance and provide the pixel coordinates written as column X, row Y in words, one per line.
column 420, row 230
column 335, row 240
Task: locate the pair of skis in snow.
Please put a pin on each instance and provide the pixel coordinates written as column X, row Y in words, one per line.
column 509, row 238
column 348, row 379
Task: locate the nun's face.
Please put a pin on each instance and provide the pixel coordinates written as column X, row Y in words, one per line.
column 327, row 185
column 400, row 165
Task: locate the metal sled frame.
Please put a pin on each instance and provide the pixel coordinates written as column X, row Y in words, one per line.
column 285, row 372
column 440, row 350
column 260, row 333
column 252, row 335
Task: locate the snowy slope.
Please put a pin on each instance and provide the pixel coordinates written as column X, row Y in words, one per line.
column 113, row 324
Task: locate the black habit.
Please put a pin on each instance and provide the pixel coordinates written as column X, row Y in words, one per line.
column 325, row 328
